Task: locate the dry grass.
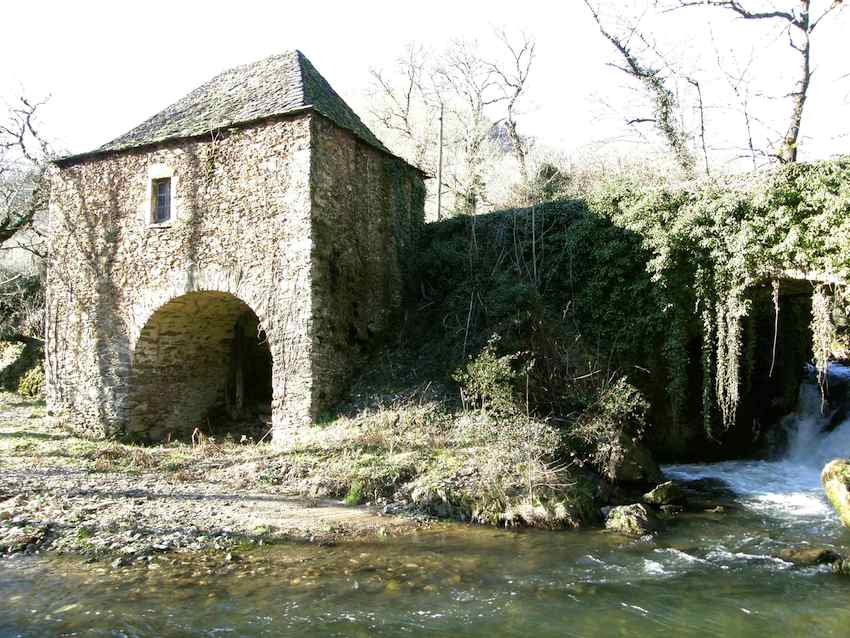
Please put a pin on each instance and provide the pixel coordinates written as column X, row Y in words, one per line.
column 461, row 465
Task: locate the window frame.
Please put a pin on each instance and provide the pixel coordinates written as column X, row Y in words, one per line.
column 157, row 197
column 148, row 212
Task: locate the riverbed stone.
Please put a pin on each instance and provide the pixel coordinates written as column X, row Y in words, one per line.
column 667, row 493
column 23, row 538
column 809, row 555
column 633, row 520
column 836, row 482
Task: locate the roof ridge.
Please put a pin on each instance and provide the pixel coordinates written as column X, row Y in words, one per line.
column 280, row 84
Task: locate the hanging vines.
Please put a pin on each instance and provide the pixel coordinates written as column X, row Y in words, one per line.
column 729, row 313
column 823, row 331
column 712, row 242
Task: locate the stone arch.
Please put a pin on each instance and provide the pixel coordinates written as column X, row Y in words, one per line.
column 200, row 358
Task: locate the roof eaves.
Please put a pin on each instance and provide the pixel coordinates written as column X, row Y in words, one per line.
column 70, row 160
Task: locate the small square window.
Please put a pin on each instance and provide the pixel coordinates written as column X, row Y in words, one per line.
column 161, row 200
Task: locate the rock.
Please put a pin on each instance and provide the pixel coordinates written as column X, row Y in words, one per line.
column 841, row 567
column 668, row 493
column 8, row 507
column 836, row 482
column 809, row 555
column 632, row 520
column 119, row 562
column 632, row 462
column 22, row 539
column 708, row 495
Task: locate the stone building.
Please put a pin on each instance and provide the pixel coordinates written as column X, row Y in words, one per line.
column 235, row 254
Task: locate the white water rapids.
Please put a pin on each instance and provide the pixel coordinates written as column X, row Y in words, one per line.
column 788, row 490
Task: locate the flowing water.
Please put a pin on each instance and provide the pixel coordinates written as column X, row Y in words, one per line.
column 711, row 574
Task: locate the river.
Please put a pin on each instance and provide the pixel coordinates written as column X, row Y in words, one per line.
column 712, row 574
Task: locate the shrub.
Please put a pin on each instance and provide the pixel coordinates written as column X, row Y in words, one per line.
column 21, row 305
column 490, row 382
column 618, row 416
column 355, row 494
column 31, row 384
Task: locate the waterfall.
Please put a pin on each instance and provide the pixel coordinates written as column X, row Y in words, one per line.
column 788, row 490
column 820, row 432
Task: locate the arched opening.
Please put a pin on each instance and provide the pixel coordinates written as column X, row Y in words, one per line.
column 202, row 361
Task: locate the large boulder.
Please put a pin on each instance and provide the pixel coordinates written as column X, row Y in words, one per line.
column 631, row 462
column 667, row 493
column 632, row 520
column 836, row 481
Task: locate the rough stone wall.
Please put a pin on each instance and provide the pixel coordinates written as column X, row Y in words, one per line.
column 296, row 220
column 368, row 212
column 242, row 229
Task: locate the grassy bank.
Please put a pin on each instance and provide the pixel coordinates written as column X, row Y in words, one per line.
column 412, row 457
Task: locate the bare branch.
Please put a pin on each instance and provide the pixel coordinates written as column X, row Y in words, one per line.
column 23, row 161
column 665, row 103
column 701, row 109
column 735, row 6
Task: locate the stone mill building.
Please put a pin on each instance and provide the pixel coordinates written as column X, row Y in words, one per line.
column 234, row 255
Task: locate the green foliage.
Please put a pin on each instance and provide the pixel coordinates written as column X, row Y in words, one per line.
column 629, row 279
column 712, row 242
column 21, row 305
column 20, row 361
column 31, row 384
column 491, row 382
column 355, row 494
column 619, row 414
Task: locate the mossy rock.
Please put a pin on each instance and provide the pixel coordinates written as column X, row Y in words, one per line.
column 668, row 493
column 633, row 520
column 632, row 462
column 809, row 555
column 836, row 482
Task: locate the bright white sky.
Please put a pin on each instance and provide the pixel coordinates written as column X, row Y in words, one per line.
column 109, row 65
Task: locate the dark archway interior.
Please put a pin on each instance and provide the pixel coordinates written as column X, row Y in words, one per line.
column 202, row 366
column 247, row 400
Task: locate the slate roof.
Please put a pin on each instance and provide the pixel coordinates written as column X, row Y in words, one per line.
column 278, row 85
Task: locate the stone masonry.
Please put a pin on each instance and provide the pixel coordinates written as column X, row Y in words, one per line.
column 286, row 213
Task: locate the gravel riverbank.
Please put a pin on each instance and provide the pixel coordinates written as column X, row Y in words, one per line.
column 68, row 495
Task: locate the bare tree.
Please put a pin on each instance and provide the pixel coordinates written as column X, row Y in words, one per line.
column 739, row 84
column 470, row 87
column 665, row 103
column 23, row 164
column 514, row 80
column 480, row 97
column 799, row 25
column 408, row 108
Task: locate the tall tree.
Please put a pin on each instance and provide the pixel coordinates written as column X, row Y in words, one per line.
column 23, row 164
column 800, row 24
column 514, row 78
column 480, row 96
column 665, row 115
